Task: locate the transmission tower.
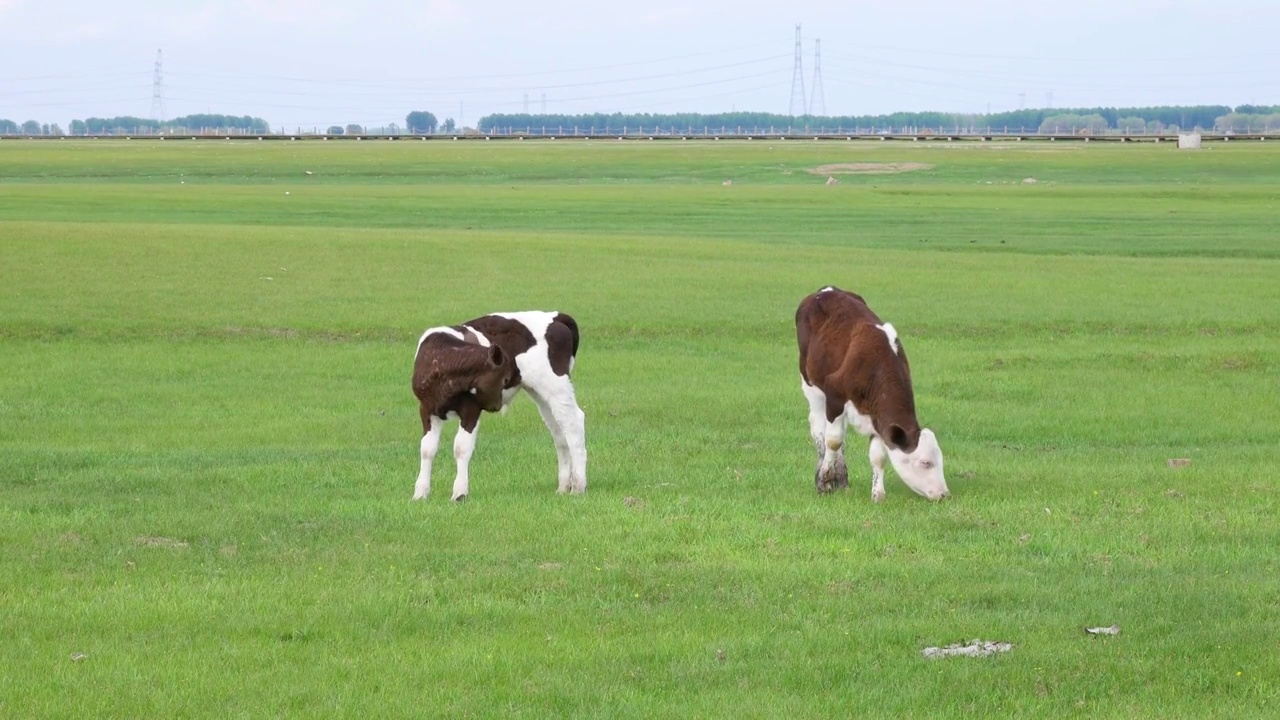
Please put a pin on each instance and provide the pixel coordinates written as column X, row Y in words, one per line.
column 817, row 101
column 797, row 81
column 157, row 91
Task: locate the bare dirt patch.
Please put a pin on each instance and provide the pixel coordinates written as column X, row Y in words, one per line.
column 869, row 168
column 157, row 541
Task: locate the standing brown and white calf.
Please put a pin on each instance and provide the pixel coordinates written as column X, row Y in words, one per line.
column 480, row 365
column 853, row 370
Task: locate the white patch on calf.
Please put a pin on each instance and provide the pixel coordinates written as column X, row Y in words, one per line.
column 892, row 335
column 433, row 331
column 484, row 341
column 817, row 414
column 861, row 423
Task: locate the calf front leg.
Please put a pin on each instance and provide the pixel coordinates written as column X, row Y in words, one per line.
column 432, row 428
column 878, row 455
column 464, row 444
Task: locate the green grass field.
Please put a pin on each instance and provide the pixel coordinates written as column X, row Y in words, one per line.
column 208, row 440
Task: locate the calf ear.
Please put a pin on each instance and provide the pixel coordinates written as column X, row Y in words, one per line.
column 496, row 356
column 897, row 437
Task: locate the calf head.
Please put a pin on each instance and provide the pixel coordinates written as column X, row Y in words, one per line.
column 494, row 375
column 920, row 468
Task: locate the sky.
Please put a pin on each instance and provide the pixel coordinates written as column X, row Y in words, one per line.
column 314, row 63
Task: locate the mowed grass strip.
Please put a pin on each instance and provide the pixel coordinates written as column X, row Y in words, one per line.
column 207, row 445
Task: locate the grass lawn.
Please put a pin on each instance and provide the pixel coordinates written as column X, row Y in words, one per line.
column 208, row 441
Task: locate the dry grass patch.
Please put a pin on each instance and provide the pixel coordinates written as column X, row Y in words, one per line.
column 869, row 168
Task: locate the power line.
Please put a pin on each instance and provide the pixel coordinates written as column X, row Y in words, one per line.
column 1092, row 58
column 396, row 87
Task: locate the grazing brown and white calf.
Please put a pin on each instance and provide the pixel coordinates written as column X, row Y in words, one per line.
column 853, row 370
column 480, row 365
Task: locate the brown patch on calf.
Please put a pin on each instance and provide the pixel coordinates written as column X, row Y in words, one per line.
column 447, row 369
column 562, row 343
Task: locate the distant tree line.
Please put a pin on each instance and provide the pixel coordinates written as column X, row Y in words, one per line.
column 1096, row 120
column 30, row 127
column 187, row 123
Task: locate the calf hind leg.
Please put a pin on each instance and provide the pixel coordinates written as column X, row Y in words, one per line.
column 573, row 426
column 833, row 474
column 564, row 463
column 837, row 476
column 559, row 407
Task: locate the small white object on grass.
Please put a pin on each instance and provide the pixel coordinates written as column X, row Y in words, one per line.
column 1113, row 630
column 286, row 192
column 977, row 648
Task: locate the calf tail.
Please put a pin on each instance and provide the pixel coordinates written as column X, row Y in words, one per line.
column 572, row 324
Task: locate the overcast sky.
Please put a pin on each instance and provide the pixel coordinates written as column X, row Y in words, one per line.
column 305, row 63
